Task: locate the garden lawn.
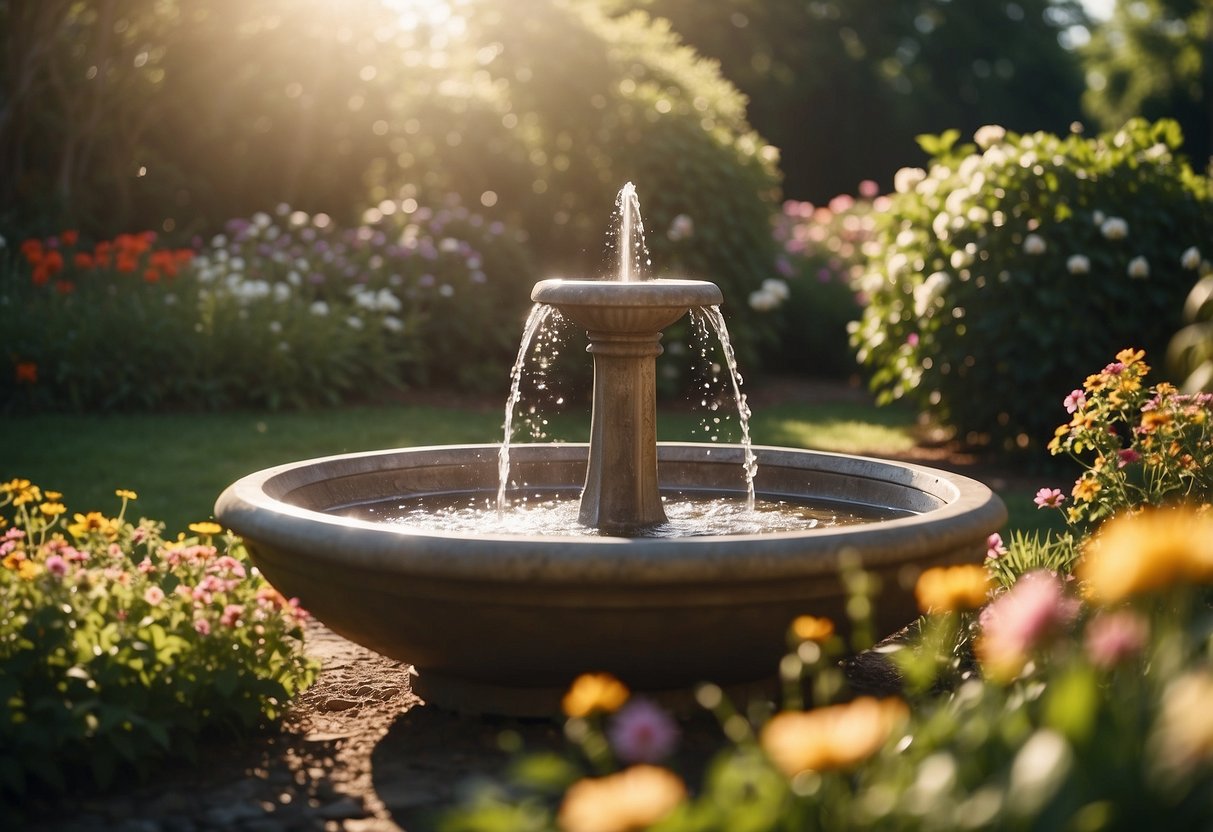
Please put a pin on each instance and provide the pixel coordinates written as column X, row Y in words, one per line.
column 178, row 463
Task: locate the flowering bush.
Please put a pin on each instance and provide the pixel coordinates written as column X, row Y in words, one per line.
column 1009, row 260
column 277, row 310
column 120, row 647
column 812, row 301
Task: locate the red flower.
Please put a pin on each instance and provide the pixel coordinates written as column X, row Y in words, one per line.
column 83, row 260
column 69, row 238
column 27, row 372
column 65, row 287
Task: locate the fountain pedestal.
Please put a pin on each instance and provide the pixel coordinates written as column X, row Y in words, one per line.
column 623, row 321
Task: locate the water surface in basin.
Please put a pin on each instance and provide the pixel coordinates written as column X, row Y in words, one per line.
column 550, row 512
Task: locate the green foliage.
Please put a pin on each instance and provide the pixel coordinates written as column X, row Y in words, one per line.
column 1007, row 264
column 841, row 88
column 281, row 311
column 1152, row 59
column 120, row 648
column 822, row 253
column 547, row 112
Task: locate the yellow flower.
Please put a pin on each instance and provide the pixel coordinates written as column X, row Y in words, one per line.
column 52, row 509
column 52, row 495
column 28, row 570
column 1130, row 356
column 631, row 800
column 592, row 692
column 94, row 521
column 1134, row 554
column 14, row 559
column 22, row 491
column 206, row 528
column 126, row 494
column 812, row 628
column 1086, row 489
column 952, row 588
column 835, row 737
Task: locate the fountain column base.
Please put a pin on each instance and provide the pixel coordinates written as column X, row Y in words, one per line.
column 621, row 492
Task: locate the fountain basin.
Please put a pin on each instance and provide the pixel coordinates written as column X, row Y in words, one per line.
column 496, row 623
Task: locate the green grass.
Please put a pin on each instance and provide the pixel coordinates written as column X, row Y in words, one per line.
column 178, row 463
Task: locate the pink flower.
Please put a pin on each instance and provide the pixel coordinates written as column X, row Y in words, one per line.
column 1049, row 498
column 227, row 563
column 154, row 595
column 7, row 546
column 1114, row 369
column 1113, row 637
column 13, row 534
column 56, row 565
column 641, row 732
column 145, row 566
column 1017, row 622
column 1127, row 457
column 912, row 339
column 202, row 627
column 231, row 615
column 1075, row 401
column 995, row 547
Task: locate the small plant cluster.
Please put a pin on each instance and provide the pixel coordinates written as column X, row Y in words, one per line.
column 281, row 310
column 821, row 255
column 121, row 647
column 1011, row 259
column 1062, row 684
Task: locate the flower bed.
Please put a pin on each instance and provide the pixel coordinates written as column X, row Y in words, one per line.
column 121, row 646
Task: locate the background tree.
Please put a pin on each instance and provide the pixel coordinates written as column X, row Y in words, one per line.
column 842, row 88
column 1154, row 58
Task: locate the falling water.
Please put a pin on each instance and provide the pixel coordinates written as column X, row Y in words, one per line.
column 715, row 319
column 539, row 314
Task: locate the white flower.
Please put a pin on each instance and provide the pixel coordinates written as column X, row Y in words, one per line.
column 682, row 227
column 354, row 322
column 1078, row 264
column 385, row 301
column 988, row 135
column 776, row 287
column 282, row 292
column 929, row 291
column 218, row 241
column 393, row 324
column 1114, row 228
column 319, row 308
column 906, row 178
column 293, row 278
column 261, row 219
column 1190, row 259
column 1034, row 244
column 446, row 290
column 763, row 301
column 275, row 327
column 1139, row 268
column 448, row 244
column 1097, row 217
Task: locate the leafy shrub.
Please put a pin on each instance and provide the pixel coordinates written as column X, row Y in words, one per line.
column 547, row 115
column 822, row 254
column 1010, row 262
column 287, row 310
column 121, row 647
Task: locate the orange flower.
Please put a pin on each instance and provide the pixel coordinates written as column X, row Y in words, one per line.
column 27, row 372
column 952, row 588
column 32, row 250
column 835, row 737
column 592, row 692
column 83, row 260
column 1086, row 489
column 812, row 628
column 65, row 287
column 151, row 275
column 69, row 238
column 629, row 801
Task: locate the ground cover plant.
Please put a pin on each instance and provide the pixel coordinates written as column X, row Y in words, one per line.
column 1012, row 259
column 122, row 646
column 1063, row 684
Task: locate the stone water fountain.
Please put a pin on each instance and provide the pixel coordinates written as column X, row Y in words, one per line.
column 499, row 622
